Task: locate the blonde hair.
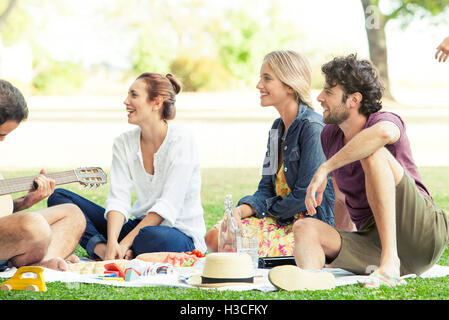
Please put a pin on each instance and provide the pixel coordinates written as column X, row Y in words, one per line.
column 294, row 70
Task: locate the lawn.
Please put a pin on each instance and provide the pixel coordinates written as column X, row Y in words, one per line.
column 239, row 182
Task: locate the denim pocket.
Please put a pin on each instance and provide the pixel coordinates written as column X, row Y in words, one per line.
column 294, row 154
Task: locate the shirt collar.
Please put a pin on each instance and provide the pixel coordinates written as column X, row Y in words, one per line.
column 301, row 109
column 138, row 151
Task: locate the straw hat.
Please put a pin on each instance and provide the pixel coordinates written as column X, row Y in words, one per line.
column 225, row 269
column 291, row 278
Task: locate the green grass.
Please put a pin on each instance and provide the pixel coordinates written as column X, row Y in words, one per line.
column 239, row 182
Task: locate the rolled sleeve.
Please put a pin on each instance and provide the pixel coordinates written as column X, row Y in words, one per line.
column 259, row 205
column 166, row 210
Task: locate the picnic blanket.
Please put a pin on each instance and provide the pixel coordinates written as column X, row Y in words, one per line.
column 179, row 277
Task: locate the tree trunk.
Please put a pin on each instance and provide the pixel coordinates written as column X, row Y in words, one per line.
column 375, row 29
column 7, row 11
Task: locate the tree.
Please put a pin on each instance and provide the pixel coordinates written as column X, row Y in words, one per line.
column 375, row 22
column 208, row 46
column 4, row 15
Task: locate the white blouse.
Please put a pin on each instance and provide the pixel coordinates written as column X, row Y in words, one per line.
column 173, row 191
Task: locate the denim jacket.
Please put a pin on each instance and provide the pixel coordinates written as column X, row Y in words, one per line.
column 302, row 154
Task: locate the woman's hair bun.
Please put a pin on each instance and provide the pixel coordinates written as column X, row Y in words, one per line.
column 175, row 82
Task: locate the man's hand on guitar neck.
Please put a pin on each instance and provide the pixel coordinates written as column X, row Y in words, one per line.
column 45, row 187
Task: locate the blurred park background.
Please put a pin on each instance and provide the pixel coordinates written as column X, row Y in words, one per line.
column 74, row 61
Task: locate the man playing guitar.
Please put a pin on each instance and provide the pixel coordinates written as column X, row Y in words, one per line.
column 46, row 237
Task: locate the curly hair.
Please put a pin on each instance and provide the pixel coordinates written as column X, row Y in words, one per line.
column 356, row 76
column 12, row 103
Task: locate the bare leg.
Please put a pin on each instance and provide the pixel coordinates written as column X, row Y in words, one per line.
column 240, row 212
column 212, row 239
column 342, row 218
column 382, row 174
column 67, row 224
column 314, row 241
column 24, row 238
column 100, row 250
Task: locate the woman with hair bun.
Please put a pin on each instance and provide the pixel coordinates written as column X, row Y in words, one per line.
column 160, row 162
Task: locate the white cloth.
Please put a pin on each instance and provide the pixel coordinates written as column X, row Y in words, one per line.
column 173, row 192
column 178, row 278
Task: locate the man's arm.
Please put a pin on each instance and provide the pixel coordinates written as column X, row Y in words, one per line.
column 362, row 145
column 365, row 143
column 45, row 187
column 20, row 204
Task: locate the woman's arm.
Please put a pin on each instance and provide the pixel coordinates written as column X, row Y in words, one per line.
column 121, row 185
column 151, row 219
column 115, row 223
column 118, row 203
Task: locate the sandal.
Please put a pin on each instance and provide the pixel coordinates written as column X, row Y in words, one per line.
column 380, row 278
column 290, row 278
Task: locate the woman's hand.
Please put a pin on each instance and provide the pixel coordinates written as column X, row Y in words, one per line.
column 129, row 254
column 114, row 251
column 237, row 217
column 125, row 248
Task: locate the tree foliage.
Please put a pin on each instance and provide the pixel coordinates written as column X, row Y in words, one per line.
column 382, row 12
column 14, row 21
column 408, row 9
column 194, row 40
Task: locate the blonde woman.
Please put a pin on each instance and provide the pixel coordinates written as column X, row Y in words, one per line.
column 293, row 155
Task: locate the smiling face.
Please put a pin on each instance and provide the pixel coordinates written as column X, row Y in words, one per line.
column 7, row 127
column 333, row 101
column 138, row 106
column 272, row 91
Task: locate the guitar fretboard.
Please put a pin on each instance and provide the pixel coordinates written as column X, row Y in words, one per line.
column 27, row 183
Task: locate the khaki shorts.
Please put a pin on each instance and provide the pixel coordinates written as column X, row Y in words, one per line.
column 422, row 235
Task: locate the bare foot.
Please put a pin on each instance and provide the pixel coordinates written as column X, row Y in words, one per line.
column 73, row 258
column 57, row 264
column 129, row 255
column 391, row 267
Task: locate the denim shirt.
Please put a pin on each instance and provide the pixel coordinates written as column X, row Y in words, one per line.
column 302, row 154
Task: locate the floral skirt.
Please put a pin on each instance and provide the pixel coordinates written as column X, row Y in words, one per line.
column 274, row 240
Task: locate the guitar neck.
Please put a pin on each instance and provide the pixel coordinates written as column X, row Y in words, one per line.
column 13, row 185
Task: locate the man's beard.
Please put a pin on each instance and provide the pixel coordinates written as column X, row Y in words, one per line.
column 337, row 116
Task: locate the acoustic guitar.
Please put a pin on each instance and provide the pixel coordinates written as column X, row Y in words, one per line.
column 91, row 177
